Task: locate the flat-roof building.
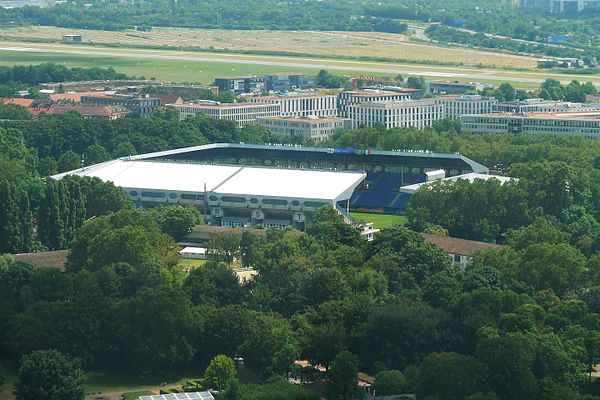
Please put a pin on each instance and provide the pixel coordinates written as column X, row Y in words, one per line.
column 350, row 98
column 457, row 105
column 448, row 87
column 241, row 84
column 230, row 195
column 241, row 113
column 72, row 38
column 302, row 105
column 555, row 123
column 396, row 114
column 308, row 128
column 287, row 81
column 541, row 105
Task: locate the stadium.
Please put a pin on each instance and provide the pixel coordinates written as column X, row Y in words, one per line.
column 275, row 185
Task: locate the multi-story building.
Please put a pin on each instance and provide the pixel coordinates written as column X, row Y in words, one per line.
column 241, row 113
column 308, row 128
column 457, row 105
column 446, row 87
column 284, row 82
column 241, row 84
column 555, row 123
column 90, row 112
column 396, row 114
column 302, row 105
column 138, row 106
column 350, row 98
column 541, row 105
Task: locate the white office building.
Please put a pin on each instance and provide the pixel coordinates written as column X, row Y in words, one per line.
column 350, row 98
column 304, row 105
column 241, row 113
column 457, row 105
column 558, row 123
column 397, row 114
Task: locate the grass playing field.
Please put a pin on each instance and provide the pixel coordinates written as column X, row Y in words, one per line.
column 380, row 221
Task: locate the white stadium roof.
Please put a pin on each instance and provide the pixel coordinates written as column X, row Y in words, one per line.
column 231, row 180
column 411, row 189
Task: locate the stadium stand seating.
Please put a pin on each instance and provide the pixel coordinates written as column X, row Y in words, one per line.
column 381, row 191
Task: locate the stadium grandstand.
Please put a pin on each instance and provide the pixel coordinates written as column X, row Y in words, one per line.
column 275, row 185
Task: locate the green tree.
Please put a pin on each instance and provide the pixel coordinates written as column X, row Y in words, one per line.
column 219, row 372
column 451, row 376
column 49, row 374
column 69, row 161
column 249, row 247
column 415, row 82
column 389, row 383
column 95, row 154
column 342, row 377
column 176, row 221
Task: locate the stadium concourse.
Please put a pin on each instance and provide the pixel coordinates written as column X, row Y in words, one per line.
column 275, row 185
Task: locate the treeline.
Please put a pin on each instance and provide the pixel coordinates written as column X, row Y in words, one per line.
column 550, row 89
column 445, row 34
column 229, row 14
column 49, row 72
column 520, row 322
column 33, row 150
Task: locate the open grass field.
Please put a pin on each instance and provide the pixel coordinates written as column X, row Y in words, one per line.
column 380, row 221
column 353, row 44
column 192, row 66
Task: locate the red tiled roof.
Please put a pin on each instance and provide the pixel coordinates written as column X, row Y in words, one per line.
column 458, row 246
column 53, row 259
column 20, row 102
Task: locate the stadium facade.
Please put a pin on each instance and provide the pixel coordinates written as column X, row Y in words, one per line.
column 274, row 185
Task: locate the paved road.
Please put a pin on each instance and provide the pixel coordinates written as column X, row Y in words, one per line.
column 291, row 62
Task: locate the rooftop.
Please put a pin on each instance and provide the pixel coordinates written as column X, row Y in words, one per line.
column 592, row 115
column 458, row 246
column 396, row 104
column 76, row 96
column 180, row 396
column 53, row 259
column 471, row 177
column 302, row 119
column 374, row 93
column 232, row 180
column 223, row 105
column 18, row 101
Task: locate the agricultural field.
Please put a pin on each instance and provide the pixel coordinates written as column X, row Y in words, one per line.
column 349, row 44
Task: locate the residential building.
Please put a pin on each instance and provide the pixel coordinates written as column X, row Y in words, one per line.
column 460, row 251
column 241, row 113
column 285, row 82
column 241, row 84
column 350, row 98
column 396, row 114
column 97, row 112
column 302, row 105
column 138, row 106
column 457, row 105
column 447, row 87
column 555, row 123
column 308, row 128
